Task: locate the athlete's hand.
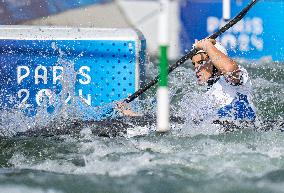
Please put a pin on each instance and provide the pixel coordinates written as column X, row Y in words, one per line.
column 125, row 109
column 121, row 106
column 204, row 44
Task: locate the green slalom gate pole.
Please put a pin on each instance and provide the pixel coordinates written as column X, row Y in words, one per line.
column 164, row 67
column 163, row 91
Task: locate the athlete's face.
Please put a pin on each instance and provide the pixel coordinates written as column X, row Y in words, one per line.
column 203, row 67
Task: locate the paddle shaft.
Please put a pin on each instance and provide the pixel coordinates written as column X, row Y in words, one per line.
column 193, row 51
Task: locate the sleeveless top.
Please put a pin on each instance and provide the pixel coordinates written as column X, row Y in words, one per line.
column 233, row 101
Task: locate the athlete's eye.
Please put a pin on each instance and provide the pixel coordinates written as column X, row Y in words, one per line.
column 202, row 62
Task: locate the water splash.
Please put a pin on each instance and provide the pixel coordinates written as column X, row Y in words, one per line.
column 196, row 155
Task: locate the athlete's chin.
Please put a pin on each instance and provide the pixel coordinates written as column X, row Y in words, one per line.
column 201, row 82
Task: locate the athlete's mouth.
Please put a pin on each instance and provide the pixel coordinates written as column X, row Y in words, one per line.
column 200, row 77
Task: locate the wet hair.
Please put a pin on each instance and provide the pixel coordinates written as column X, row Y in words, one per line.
column 217, row 45
column 198, row 52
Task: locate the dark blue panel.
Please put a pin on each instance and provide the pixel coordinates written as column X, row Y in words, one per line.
column 259, row 34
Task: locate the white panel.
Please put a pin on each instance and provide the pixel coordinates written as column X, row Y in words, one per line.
column 144, row 15
column 24, row 32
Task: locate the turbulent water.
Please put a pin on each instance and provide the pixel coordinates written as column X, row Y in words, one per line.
column 191, row 158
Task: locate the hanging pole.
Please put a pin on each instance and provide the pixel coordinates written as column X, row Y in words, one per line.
column 163, row 91
column 226, row 10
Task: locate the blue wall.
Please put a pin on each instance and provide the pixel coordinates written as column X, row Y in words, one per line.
column 258, row 35
column 104, row 71
column 15, row 11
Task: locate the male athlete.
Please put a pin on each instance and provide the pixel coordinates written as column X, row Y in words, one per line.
column 228, row 83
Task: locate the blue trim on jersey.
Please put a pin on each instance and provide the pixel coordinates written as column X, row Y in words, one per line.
column 239, row 109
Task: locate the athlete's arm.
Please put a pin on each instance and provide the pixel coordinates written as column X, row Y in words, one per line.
column 223, row 63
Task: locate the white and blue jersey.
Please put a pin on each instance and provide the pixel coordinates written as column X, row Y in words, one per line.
column 233, row 102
